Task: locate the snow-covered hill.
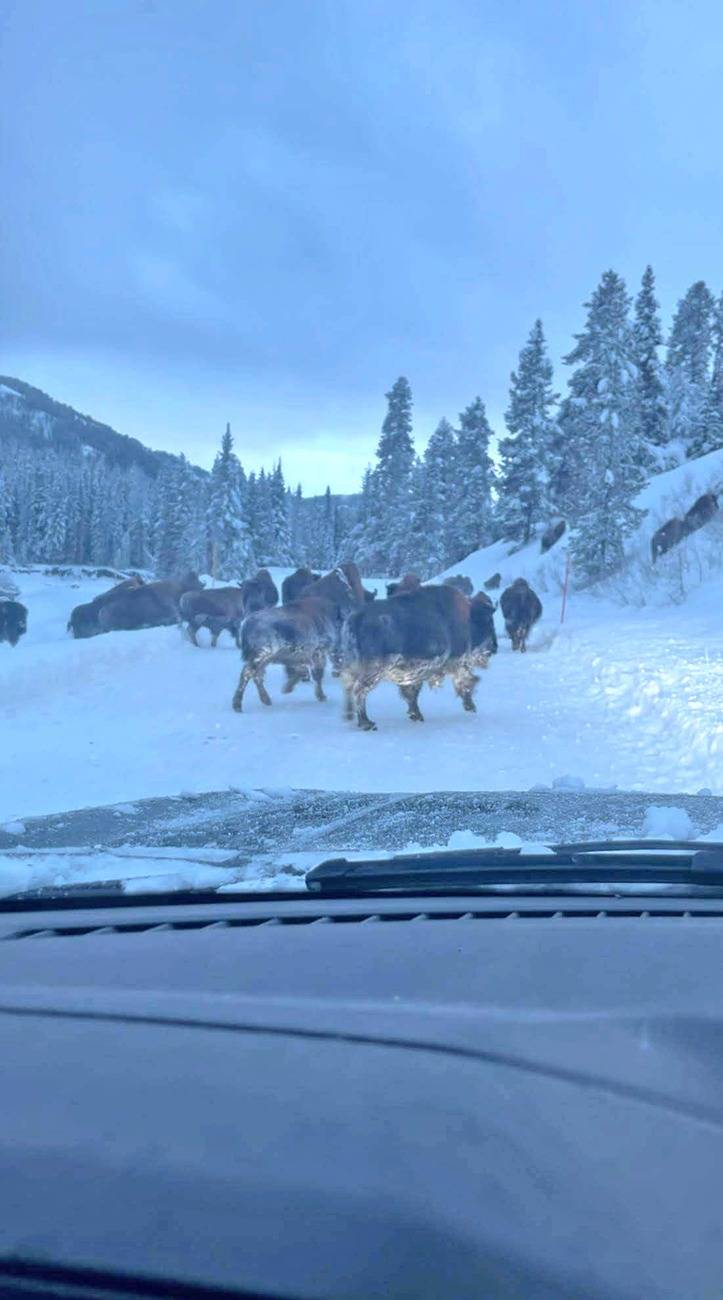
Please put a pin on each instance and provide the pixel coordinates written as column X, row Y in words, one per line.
column 29, row 416
column 693, row 568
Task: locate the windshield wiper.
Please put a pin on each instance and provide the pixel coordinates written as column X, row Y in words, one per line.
column 599, row 864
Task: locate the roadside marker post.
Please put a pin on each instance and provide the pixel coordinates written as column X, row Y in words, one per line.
column 565, row 586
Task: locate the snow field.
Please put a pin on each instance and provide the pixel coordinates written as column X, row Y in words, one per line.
column 611, row 699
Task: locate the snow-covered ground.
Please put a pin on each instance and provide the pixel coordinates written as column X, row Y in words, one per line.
column 615, row 697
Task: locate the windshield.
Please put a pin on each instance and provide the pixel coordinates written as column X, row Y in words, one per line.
column 361, row 436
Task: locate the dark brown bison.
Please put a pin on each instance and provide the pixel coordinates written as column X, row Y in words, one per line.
column 701, row 512
column 83, row 621
column 292, row 587
column 223, row 609
column 552, row 535
column 462, row 583
column 666, row 537
column 410, row 582
column 155, row 604
column 493, row 583
column 483, row 637
column 521, row 607
column 260, row 592
column 412, row 638
column 13, row 621
column 300, row 635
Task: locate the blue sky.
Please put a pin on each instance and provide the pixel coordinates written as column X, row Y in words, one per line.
column 264, row 212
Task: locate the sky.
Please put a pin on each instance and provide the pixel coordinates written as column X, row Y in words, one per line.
column 264, row 211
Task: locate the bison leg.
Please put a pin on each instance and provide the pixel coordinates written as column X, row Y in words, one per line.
column 243, row 681
column 214, row 638
column 191, row 634
column 348, row 704
column 255, row 673
column 292, row 677
column 360, row 691
column 258, row 676
column 318, row 664
column 410, row 694
column 464, row 683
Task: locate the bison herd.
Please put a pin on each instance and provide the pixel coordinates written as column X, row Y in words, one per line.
column 419, row 634
column 674, row 530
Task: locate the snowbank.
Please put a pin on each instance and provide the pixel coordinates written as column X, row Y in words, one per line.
column 694, row 563
column 544, row 572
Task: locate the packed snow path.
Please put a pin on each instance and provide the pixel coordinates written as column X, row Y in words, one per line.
column 615, row 698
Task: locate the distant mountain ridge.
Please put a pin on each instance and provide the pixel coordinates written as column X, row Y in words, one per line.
column 30, row 415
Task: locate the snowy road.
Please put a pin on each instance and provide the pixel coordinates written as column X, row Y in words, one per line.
column 613, row 699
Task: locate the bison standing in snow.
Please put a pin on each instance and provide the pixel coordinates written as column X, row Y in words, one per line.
column 521, row 607
column 292, row 587
column 483, row 637
column 155, row 604
column 413, row 637
column 462, row 583
column 410, row 582
column 13, row 621
column 300, row 635
column 701, row 512
column 83, row 621
column 223, row 609
column 666, row 537
column 551, row 535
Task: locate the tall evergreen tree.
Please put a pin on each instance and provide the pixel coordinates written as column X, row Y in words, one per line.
column 296, row 526
column 471, row 523
column 262, row 517
column 649, row 391
column 611, row 458
column 232, row 556
column 713, row 421
column 528, row 470
column 7, row 550
column 688, row 367
column 384, row 543
column 328, row 531
column 436, row 499
column 280, row 529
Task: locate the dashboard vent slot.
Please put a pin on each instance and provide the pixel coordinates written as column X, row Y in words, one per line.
column 364, row 918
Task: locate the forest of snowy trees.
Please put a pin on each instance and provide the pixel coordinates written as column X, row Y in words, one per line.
column 629, row 411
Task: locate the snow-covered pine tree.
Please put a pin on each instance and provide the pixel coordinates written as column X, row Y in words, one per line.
column 232, row 554
column 280, row 528
column 714, row 395
column 353, row 544
column 194, row 544
column 527, row 471
column 600, row 426
column 296, row 524
column 471, row 525
column 435, row 492
column 327, row 549
column 170, row 556
column 262, row 518
column 688, row 367
column 649, row 402
column 7, row 550
column 384, row 543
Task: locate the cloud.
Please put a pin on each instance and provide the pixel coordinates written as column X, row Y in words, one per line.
column 165, row 285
